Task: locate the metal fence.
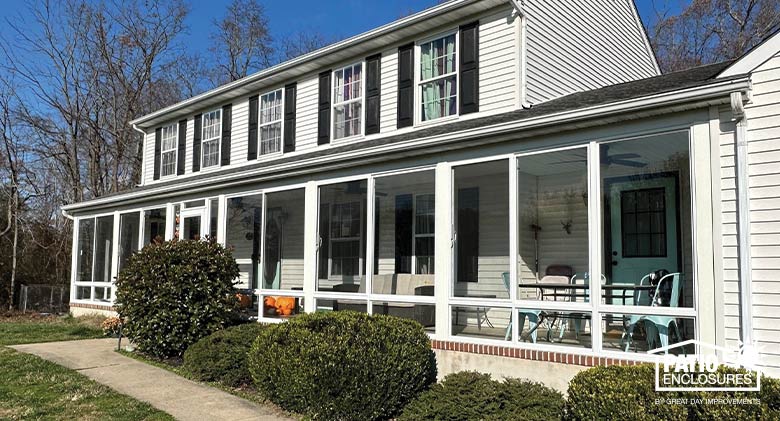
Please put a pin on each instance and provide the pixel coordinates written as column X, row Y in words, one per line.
column 44, row 298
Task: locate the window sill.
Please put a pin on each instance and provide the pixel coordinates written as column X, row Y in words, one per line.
column 434, row 122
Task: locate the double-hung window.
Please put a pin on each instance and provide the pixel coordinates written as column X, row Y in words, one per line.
column 168, row 152
column 212, row 127
column 438, row 82
column 271, row 122
column 348, row 101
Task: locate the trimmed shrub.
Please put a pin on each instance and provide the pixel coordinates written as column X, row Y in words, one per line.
column 343, row 365
column 468, row 395
column 223, row 355
column 171, row 294
column 628, row 393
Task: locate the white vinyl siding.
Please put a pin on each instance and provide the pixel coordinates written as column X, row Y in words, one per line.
column 306, row 114
column 270, row 121
column 388, row 115
column 212, row 129
column 498, row 71
column 239, row 133
column 573, row 47
column 168, row 147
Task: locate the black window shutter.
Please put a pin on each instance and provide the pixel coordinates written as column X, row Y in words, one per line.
column 373, row 90
column 253, row 128
column 227, row 123
column 182, row 149
column 469, row 68
column 468, row 234
column 403, row 233
column 323, row 114
column 405, row 86
column 157, row 151
column 196, row 143
column 290, row 98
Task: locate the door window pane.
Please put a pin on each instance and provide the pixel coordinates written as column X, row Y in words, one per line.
column 213, row 218
column 85, row 249
column 342, row 237
column 129, row 230
column 244, row 228
column 552, row 226
column 283, row 245
column 482, row 230
column 191, row 228
column 646, row 218
column 104, row 234
column 154, row 225
column 404, row 234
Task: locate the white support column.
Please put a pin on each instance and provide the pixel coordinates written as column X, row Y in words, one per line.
column 370, row 222
column 222, row 220
column 115, row 253
column 594, row 243
column 74, row 259
column 513, row 278
column 444, row 251
column 170, row 221
column 141, row 224
column 310, row 246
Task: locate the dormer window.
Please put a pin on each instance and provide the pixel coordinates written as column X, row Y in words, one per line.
column 168, row 150
column 271, row 122
column 348, row 101
column 212, row 125
column 438, row 83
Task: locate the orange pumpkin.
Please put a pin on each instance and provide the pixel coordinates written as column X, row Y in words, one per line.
column 270, row 302
column 285, row 305
column 244, row 300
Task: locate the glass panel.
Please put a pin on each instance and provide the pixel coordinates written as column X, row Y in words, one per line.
column 195, row 204
column 191, row 229
column 647, row 221
column 281, row 307
column 482, row 322
column 552, row 226
column 341, row 304
column 424, row 314
column 129, row 230
column 637, row 333
column 482, row 230
column 102, row 294
column 439, row 98
column 244, row 225
column 404, row 234
column 213, row 218
column 176, row 220
column 104, row 237
column 283, row 245
column 85, row 250
column 558, row 327
column 83, row 293
column 342, row 237
column 154, row 225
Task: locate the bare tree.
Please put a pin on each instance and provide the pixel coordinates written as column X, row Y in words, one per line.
column 709, row 31
column 242, row 43
column 301, row 43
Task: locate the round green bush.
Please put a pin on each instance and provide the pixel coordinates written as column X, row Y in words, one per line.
column 343, row 365
column 468, row 395
column 223, row 355
column 628, row 393
column 172, row 294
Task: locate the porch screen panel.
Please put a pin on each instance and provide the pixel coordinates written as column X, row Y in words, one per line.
column 154, row 225
column 405, row 215
column 552, row 226
column 482, row 230
column 244, row 229
column 129, row 230
column 104, row 234
column 342, row 235
column 283, row 240
column 85, row 250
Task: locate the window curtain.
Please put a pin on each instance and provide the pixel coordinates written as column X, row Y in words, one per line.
column 438, row 58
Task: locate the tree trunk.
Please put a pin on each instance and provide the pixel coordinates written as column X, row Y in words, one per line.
column 14, row 253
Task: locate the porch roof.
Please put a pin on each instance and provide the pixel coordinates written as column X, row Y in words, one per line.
column 464, row 133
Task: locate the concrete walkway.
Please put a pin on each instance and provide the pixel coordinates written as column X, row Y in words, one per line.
column 166, row 391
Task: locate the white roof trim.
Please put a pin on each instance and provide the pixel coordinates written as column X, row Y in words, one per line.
column 754, row 58
column 645, row 36
column 720, row 89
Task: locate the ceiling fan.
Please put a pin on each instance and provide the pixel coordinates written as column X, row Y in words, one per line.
column 624, row 159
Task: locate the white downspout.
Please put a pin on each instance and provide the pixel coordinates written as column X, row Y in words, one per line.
column 743, row 220
column 521, row 30
column 143, row 153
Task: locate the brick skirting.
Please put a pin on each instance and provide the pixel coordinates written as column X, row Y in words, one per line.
column 528, row 354
column 93, row 306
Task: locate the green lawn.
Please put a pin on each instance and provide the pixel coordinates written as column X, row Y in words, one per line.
column 32, row 388
column 29, row 329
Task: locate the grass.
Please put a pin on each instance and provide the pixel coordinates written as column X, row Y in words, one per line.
column 32, row 388
column 175, row 367
column 18, row 329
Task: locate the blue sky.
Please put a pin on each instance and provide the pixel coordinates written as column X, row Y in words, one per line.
column 332, row 18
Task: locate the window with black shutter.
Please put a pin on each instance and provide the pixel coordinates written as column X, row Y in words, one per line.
column 373, row 93
column 469, row 68
column 182, row 148
column 227, row 123
column 405, row 86
column 251, row 153
column 323, row 113
column 157, row 152
column 290, row 98
column 196, row 143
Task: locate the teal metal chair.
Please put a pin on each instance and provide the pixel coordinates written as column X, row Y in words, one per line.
column 581, row 317
column 661, row 326
column 274, row 284
column 533, row 315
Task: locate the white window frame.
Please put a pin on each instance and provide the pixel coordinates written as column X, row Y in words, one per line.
column 415, row 235
column 418, row 81
column 172, row 129
column 261, row 124
column 217, row 139
column 91, row 284
column 361, row 100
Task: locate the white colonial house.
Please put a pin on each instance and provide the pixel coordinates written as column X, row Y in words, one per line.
column 516, row 176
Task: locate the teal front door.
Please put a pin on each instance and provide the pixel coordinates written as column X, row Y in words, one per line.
column 643, row 224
